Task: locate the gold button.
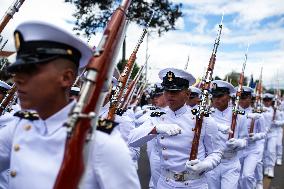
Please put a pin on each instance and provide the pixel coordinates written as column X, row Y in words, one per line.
column 17, row 147
column 28, row 127
column 162, row 137
column 13, row 173
column 164, row 148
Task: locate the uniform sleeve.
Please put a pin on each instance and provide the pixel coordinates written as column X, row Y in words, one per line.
column 125, row 126
column 211, row 142
column 109, row 165
column 6, row 139
column 141, row 135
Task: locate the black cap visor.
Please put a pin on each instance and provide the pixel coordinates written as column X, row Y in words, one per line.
column 28, row 63
column 220, row 92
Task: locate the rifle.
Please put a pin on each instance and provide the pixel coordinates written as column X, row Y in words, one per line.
column 275, row 106
column 78, row 125
column 236, row 110
column 8, row 100
column 130, row 90
column 203, row 108
column 10, row 13
column 258, row 107
column 140, row 92
column 124, row 77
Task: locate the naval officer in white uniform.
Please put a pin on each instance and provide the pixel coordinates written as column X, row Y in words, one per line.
column 173, row 130
column 46, row 66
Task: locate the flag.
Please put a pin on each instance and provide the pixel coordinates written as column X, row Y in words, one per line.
column 252, row 84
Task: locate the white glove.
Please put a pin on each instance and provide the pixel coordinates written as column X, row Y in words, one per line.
column 256, row 136
column 236, row 144
column 169, row 129
column 196, row 166
column 225, row 129
column 253, row 115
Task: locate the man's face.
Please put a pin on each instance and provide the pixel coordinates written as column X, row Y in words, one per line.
column 267, row 102
column 159, row 100
column 192, row 100
column 39, row 85
column 245, row 102
column 221, row 102
column 176, row 99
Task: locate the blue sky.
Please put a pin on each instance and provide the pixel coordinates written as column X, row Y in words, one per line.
column 258, row 22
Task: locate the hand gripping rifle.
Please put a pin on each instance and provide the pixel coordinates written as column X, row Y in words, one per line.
column 10, row 13
column 236, row 110
column 203, row 108
column 124, row 77
column 78, row 125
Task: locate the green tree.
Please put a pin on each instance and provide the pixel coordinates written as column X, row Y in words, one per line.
column 234, row 77
column 217, row 78
column 92, row 16
column 121, row 65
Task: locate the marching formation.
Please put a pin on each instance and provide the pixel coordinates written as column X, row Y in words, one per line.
column 69, row 120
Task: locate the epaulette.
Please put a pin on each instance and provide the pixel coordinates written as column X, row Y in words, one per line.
column 152, row 108
column 120, row 111
column 27, row 115
column 157, row 114
column 106, row 126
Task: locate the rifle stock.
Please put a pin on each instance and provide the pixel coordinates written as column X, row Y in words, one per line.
column 236, row 109
column 124, row 77
column 258, row 107
column 8, row 98
column 78, row 125
column 204, row 108
column 130, row 90
column 10, row 13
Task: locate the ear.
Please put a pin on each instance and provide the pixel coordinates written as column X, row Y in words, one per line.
column 67, row 78
column 187, row 93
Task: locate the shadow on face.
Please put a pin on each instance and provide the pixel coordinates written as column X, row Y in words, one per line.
column 176, row 98
column 221, row 102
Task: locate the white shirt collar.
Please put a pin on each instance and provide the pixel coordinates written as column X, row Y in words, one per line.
column 57, row 120
column 178, row 112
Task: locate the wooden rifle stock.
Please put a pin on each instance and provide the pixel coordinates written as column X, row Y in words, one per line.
column 236, row 110
column 195, row 141
column 140, row 93
column 130, row 90
column 8, row 98
column 78, row 125
column 251, row 129
column 124, row 78
column 204, row 108
column 10, row 13
column 258, row 100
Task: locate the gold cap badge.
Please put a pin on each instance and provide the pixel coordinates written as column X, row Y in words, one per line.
column 17, row 40
column 170, row 76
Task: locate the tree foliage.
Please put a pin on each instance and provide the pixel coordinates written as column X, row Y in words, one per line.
column 121, row 65
column 93, row 15
column 234, row 77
